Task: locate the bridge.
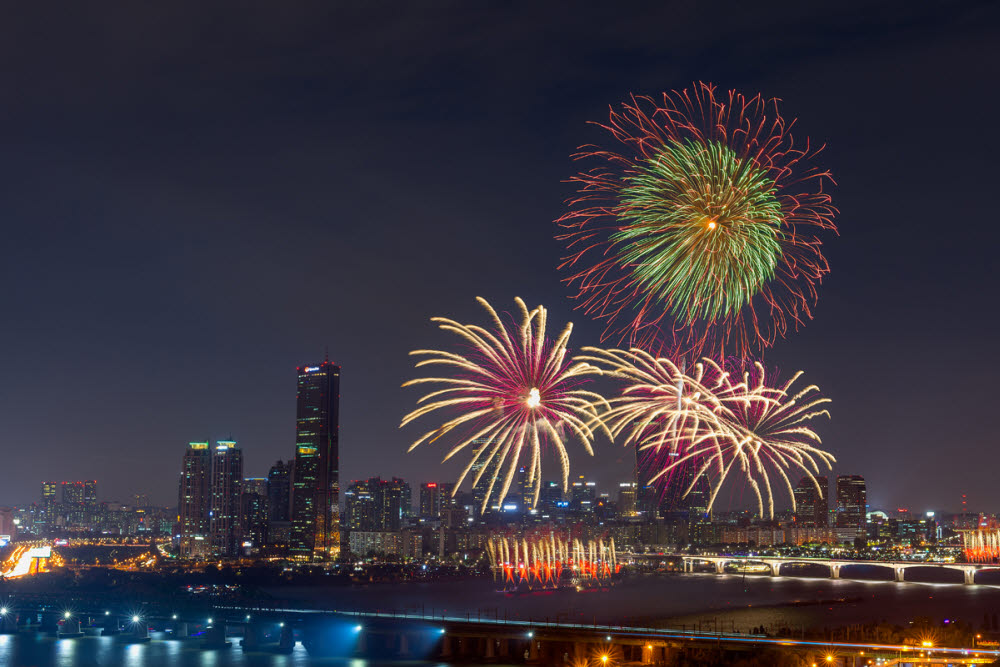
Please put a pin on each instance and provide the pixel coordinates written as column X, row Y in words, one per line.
column 388, row 635
column 772, row 565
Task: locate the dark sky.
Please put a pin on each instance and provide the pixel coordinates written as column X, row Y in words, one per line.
column 197, row 199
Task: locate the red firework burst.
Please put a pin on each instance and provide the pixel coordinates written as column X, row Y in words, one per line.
column 700, row 224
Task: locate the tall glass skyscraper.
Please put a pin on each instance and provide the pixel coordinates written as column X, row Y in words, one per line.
column 316, row 487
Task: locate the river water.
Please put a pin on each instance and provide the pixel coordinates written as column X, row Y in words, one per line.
column 725, row 602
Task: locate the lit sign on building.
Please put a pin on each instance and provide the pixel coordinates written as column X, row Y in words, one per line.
column 40, row 552
column 312, row 369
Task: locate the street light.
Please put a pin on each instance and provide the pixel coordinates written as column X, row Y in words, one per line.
column 3, row 611
column 66, row 614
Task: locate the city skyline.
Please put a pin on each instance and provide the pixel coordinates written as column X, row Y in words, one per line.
column 355, row 195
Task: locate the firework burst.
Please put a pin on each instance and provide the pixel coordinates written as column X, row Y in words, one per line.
column 723, row 426
column 704, row 216
column 513, row 390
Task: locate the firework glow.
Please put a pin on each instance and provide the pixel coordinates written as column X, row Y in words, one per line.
column 549, row 562
column 981, row 546
column 514, row 390
column 702, row 219
column 725, row 424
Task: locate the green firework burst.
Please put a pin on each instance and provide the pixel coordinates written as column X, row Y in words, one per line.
column 701, row 228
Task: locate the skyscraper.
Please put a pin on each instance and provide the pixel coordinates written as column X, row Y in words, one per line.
column 626, row 499
column 253, row 514
column 49, row 504
column 394, row 498
column 852, row 507
column 480, row 488
column 224, row 518
column 811, row 506
column 279, row 491
column 430, row 500
column 316, row 488
column 279, row 498
column 194, row 500
column 361, row 506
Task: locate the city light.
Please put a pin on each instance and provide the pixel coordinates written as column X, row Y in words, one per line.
column 135, row 619
column 531, row 633
column 357, row 628
column 3, row 611
column 66, row 614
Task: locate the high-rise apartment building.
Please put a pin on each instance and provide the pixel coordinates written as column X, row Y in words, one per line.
column 852, row 507
column 224, row 517
column 194, row 500
column 90, row 494
column 361, row 508
column 316, row 487
column 430, row 500
column 811, row 505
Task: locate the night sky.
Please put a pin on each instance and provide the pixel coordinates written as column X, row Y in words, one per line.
column 197, row 200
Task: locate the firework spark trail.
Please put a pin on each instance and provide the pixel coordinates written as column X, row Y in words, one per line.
column 539, row 561
column 721, row 425
column 702, row 220
column 514, row 391
column 981, row 546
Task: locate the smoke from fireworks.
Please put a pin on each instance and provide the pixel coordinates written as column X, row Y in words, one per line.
column 723, row 426
column 514, row 390
column 702, row 216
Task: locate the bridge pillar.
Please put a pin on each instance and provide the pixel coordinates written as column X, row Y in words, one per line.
column 900, row 574
column 8, row 623
column 70, row 628
column 970, row 575
column 287, row 640
column 647, row 654
column 490, row 652
column 720, row 566
column 215, row 636
column 362, row 646
column 446, row 648
column 775, row 568
column 834, row 571
column 181, row 630
column 504, row 648
column 404, row 645
column 251, row 637
column 139, row 632
column 49, row 622
column 533, row 653
column 111, row 626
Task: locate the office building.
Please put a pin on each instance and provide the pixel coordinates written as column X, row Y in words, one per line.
column 811, row 507
column 194, row 500
column 253, row 515
column 852, row 507
column 225, row 527
column 430, row 500
column 316, row 485
column 489, row 469
column 626, row 499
